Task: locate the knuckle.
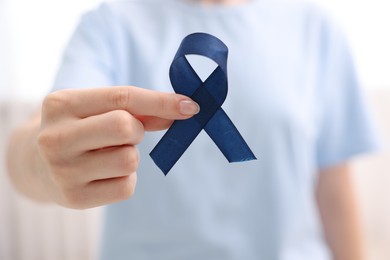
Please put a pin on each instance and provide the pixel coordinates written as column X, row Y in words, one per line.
column 55, row 101
column 43, row 141
column 125, row 127
column 73, row 199
column 62, row 178
column 122, row 97
column 49, row 140
column 129, row 159
column 125, row 189
column 59, row 179
column 121, row 123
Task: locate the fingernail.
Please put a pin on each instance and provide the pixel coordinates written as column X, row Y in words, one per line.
column 188, row 107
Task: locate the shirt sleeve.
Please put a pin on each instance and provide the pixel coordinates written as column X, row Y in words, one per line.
column 346, row 126
column 87, row 60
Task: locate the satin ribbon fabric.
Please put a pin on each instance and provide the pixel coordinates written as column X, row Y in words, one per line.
column 210, row 96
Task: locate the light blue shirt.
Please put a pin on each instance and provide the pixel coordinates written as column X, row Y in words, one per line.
column 293, row 95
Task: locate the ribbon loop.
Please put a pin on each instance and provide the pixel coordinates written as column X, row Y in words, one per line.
column 210, row 96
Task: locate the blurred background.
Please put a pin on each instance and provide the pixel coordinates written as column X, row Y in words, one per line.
column 33, row 35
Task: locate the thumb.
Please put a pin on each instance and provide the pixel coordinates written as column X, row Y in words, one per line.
column 137, row 101
column 150, row 103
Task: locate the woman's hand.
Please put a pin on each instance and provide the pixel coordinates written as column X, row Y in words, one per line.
column 86, row 143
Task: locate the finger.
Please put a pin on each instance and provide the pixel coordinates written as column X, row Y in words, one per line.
column 101, row 192
column 111, row 190
column 86, row 102
column 152, row 123
column 107, row 163
column 113, row 128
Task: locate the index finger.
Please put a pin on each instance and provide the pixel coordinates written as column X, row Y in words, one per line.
column 137, row 101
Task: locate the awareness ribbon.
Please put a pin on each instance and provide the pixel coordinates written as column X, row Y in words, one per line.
column 210, row 96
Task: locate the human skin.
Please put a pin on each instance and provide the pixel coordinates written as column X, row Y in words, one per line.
column 336, row 200
column 80, row 151
column 339, row 211
column 68, row 154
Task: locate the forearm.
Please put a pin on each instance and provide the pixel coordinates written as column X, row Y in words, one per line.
column 23, row 161
column 339, row 212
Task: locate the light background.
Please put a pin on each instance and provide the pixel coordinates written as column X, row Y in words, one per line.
column 34, row 33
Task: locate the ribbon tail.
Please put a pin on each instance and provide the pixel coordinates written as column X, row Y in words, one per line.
column 174, row 143
column 228, row 139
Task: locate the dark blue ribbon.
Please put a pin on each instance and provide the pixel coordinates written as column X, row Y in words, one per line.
column 210, row 96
